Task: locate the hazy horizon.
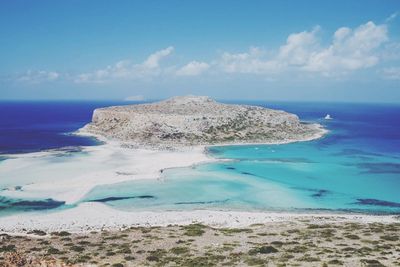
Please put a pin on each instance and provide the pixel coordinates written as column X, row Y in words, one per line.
column 224, row 100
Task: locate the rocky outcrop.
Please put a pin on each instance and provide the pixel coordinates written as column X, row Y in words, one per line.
column 195, row 120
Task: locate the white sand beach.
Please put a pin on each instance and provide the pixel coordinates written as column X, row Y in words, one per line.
column 96, row 216
column 68, row 177
column 65, row 176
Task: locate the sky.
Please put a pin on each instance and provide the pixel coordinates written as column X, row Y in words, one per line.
column 236, row 50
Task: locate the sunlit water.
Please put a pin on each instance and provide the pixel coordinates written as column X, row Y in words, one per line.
column 356, row 167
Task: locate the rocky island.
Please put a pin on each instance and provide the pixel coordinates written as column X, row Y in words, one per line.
column 198, row 120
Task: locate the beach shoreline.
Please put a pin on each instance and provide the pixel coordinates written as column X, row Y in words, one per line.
column 89, row 216
column 92, row 216
column 135, row 164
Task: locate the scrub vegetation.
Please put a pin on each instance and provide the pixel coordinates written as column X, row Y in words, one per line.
column 273, row 244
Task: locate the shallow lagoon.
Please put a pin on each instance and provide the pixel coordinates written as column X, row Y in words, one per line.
column 268, row 177
column 356, row 167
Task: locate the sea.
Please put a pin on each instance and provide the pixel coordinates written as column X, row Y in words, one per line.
column 354, row 168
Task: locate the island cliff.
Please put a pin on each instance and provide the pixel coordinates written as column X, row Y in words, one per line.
column 198, row 120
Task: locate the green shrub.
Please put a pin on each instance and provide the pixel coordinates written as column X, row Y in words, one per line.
column 179, row 250
column 52, row 250
column 37, row 232
column 77, row 248
column 62, row 233
column 194, row 229
column 263, row 250
column 7, row 248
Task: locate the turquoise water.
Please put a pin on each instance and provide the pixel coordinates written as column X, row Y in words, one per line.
column 298, row 176
column 356, row 167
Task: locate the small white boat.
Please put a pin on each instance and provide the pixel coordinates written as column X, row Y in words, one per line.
column 328, row 117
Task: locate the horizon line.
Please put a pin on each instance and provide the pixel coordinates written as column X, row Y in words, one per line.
column 217, row 99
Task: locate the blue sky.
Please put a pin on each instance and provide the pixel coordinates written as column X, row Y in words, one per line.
column 270, row 50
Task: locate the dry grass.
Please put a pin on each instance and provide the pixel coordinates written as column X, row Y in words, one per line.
column 273, row 244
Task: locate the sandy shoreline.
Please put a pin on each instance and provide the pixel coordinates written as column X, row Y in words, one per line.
column 96, row 216
column 137, row 164
column 105, row 164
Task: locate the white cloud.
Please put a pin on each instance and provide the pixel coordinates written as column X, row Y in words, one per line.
column 350, row 49
column 153, row 61
column 298, row 48
column 193, row 68
column 32, row 76
column 392, row 73
column 248, row 62
column 125, row 69
column 341, row 33
column 392, row 17
column 135, row 98
column 391, row 51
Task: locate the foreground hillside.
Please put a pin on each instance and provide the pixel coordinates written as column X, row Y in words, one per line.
column 194, row 120
column 300, row 243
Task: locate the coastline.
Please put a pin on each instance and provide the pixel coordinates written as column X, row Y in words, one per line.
column 322, row 132
column 134, row 164
column 90, row 216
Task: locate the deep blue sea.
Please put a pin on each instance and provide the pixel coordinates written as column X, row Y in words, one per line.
column 34, row 126
column 356, row 167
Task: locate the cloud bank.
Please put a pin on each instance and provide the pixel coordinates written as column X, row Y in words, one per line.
column 193, row 68
column 38, row 76
column 347, row 50
column 392, row 73
column 125, row 69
